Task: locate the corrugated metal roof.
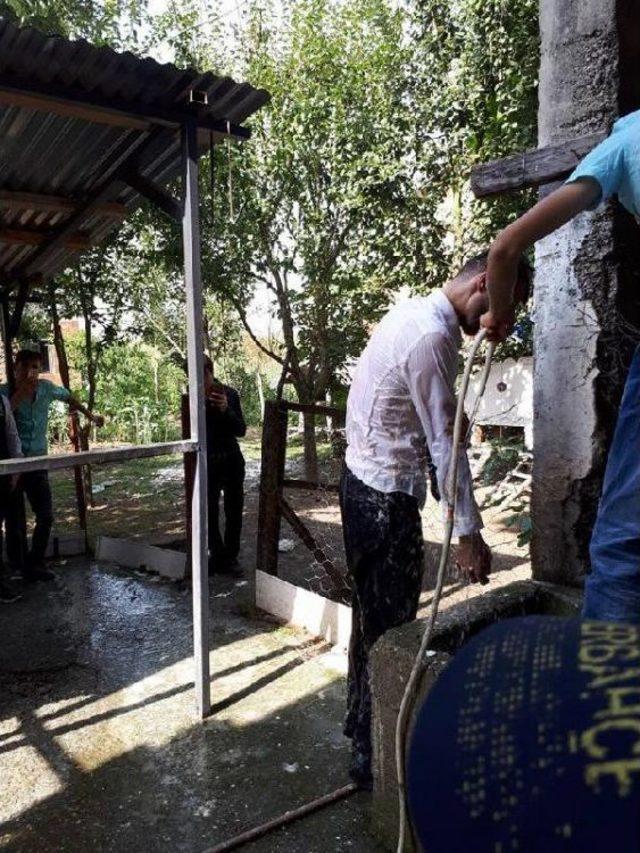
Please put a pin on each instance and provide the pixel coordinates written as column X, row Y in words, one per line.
column 72, row 116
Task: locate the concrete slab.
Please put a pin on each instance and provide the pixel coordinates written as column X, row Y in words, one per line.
column 99, row 745
column 302, row 608
column 139, row 555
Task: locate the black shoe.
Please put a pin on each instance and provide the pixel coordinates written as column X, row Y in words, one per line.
column 38, row 575
column 8, row 594
column 360, row 771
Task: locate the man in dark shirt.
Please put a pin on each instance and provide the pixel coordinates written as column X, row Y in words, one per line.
column 225, row 425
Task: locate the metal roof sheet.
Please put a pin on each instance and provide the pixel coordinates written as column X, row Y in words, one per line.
column 53, row 145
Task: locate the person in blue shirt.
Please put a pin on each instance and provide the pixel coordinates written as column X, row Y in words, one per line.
column 612, row 589
column 31, row 399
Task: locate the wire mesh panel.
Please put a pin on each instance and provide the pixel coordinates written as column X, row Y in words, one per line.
column 310, row 549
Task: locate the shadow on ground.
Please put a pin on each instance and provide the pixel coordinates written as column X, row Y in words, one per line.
column 99, row 745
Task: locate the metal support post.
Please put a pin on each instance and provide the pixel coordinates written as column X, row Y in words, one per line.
column 193, row 283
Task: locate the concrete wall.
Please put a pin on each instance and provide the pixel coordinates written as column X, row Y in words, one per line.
column 586, row 284
column 393, row 656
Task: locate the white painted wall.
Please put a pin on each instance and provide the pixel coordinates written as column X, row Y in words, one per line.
column 508, row 398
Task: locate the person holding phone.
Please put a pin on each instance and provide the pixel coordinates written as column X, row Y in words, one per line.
column 226, row 469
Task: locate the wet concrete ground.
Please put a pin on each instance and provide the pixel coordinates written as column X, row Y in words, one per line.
column 99, row 745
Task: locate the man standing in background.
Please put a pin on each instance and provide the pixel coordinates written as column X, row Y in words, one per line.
column 10, row 448
column 31, row 400
column 225, row 463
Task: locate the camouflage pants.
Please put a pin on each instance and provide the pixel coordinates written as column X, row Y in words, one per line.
column 385, row 549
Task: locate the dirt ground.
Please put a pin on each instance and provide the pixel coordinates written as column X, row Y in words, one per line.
column 145, row 499
column 99, row 744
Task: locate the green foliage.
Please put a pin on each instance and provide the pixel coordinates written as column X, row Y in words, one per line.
column 137, row 389
column 523, row 523
column 320, row 194
column 354, row 186
column 505, row 454
column 109, row 22
column 474, row 88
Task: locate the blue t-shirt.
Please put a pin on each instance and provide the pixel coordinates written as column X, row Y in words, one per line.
column 615, row 164
column 32, row 416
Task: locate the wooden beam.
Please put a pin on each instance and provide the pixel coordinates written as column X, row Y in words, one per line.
column 21, row 301
column 95, row 457
column 26, row 237
column 156, row 194
column 69, row 109
column 274, row 451
column 339, row 584
column 70, row 103
column 11, row 200
column 532, row 168
column 312, row 409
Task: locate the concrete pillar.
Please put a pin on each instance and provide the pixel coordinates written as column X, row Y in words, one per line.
column 587, row 287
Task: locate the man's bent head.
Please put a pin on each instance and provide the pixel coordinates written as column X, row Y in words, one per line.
column 468, row 292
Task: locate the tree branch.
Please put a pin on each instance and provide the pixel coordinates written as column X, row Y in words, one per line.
column 243, row 319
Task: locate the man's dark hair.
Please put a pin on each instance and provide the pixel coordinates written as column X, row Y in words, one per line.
column 208, row 364
column 478, row 264
column 29, row 356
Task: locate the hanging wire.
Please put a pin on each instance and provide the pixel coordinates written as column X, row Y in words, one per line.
column 212, row 179
column 230, row 175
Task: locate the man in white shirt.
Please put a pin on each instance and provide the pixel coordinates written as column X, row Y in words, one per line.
column 401, row 408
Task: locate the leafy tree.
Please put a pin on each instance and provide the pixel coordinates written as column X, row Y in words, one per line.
column 473, row 86
column 110, row 22
column 314, row 208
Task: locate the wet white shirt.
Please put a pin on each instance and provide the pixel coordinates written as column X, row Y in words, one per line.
column 403, row 399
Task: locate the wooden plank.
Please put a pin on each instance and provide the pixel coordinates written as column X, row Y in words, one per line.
column 21, row 300
column 156, row 194
column 78, row 242
column 274, row 448
column 532, row 168
column 294, row 605
column 70, row 103
column 310, row 485
column 70, row 109
column 313, row 409
column 95, row 457
column 11, row 200
column 66, row 546
column 195, row 357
